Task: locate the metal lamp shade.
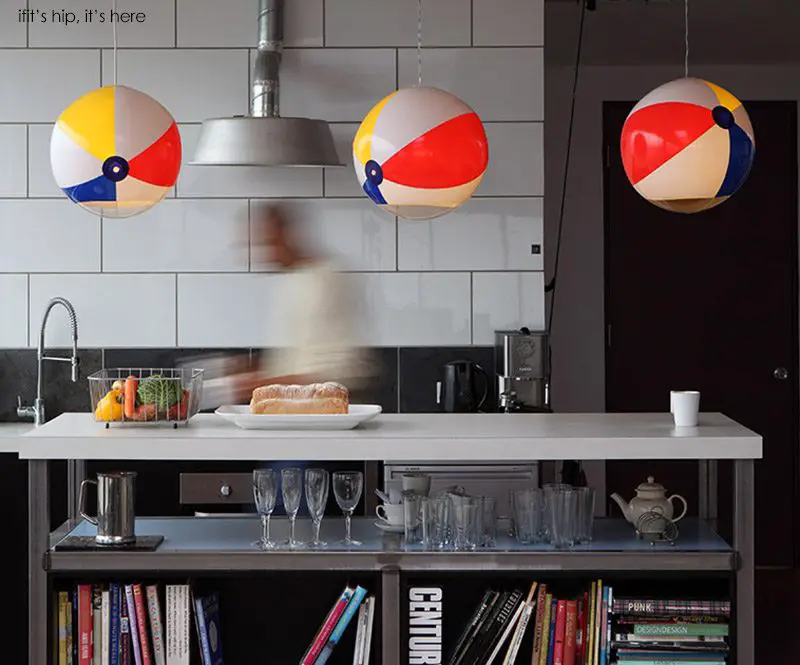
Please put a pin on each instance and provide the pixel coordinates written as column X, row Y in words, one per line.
column 264, row 141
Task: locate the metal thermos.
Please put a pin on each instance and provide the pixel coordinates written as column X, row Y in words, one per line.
column 116, row 502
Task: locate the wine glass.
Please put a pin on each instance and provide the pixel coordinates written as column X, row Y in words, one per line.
column 347, row 486
column 292, row 492
column 317, row 484
column 265, row 492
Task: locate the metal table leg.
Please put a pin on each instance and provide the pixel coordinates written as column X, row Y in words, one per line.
column 38, row 541
column 744, row 543
column 390, row 617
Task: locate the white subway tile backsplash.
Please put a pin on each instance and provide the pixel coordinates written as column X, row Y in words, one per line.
column 508, row 22
column 199, row 23
column 141, row 23
column 13, row 30
column 488, row 79
column 13, row 161
column 506, row 300
column 394, row 23
column 241, row 181
column 113, row 310
column 338, row 85
column 35, row 86
column 342, row 181
column 354, row 233
column 192, row 84
column 226, row 310
column 41, row 183
column 14, row 305
column 484, row 234
column 416, row 309
column 206, row 235
column 48, row 236
column 516, row 160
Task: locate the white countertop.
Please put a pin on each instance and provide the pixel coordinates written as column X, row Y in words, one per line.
column 10, row 433
column 404, row 437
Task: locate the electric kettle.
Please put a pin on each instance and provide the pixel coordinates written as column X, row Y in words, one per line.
column 457, row 391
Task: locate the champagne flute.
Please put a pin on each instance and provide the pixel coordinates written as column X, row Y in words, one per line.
column 265, row 492
column 292, row 492
column 317, row 484
column 347, row 486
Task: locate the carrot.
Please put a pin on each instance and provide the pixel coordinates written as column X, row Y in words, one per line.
column 131, row 386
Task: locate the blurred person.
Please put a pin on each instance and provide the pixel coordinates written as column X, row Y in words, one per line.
column 315, row 311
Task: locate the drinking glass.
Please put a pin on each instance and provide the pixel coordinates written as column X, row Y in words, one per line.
column 441, row 518
column 487, row 522
column 347, row 486
column 547, row 492
column 526, row 506
column 465, row 518
column 584, row 514
column 292, row 492
column 561, row 508
column 317, row 484
column 412, row 507
column 265, row 493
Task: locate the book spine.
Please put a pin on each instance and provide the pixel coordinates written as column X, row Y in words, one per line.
column 680, row 629
column 178, row 650
column 74, row 634
column 202, row 631
column 63, row 604
column 548, row 608
column 506, row 630
column 585, row 629
column 133, row 633
column 570, row 631
column 156, row 628
column 124, row 630
column 105, row 628
column 330, row 622
column 604, row 627
column 84, row 624
column 470, row 627
column 609, row 613
column 551, row 640
column 141, row 624
column 347, row 615
column 599, row 627
column 358, row 651
column 114, row 623
column 474, row 650
column 538, row 624
column 590, row 626
column 561, row 629
column 670, row 607
column 519, row 634
column 368, row 640
column 97, row 624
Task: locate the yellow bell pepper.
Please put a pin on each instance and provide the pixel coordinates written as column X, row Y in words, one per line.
column 110, row 407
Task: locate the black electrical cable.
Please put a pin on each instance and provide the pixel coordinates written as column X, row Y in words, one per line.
column 551, row 286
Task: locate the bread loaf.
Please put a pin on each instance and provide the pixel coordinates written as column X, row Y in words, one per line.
column 314, row 398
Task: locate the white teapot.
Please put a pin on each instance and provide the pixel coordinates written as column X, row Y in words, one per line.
column 650, row 497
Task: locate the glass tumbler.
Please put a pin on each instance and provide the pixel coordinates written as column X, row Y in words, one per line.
column 547, row 491
column 584, row 514
column 412, row 506
column 442, row 520
column 465, row 519
column 561, row 509
column 487, row 522
column 526, row 507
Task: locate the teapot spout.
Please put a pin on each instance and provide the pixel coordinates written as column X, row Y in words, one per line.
column 624, row 506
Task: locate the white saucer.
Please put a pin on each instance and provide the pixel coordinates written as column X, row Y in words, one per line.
column 390, row 528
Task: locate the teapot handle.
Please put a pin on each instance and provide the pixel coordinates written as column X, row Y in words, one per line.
column 685, row 506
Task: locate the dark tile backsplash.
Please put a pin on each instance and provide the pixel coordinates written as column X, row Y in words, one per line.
column 421, row 368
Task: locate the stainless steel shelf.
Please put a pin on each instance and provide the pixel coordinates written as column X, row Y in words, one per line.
column 225, row 544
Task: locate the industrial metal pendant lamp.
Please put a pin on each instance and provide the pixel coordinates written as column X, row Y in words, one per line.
column 264, row 138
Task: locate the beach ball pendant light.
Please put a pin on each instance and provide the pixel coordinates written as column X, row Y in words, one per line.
column 688, row 145
column 115, row 151
column 420, row 153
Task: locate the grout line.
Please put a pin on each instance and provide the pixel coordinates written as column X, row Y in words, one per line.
column 324, row 23
column 27, row 26
column 249, row 47
column 471, row 308
column 249, row 235
column 472, row 23
column 101, row 242
column 175, row 19
column 396, row 68
column 101, row 67
column 28, row 331
column 231, row 273
column 27, row 161
column 199, row 123
column 398, row 379
column 176, row 309
column 396, row 243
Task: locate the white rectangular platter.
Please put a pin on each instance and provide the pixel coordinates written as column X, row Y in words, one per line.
column 240, row 415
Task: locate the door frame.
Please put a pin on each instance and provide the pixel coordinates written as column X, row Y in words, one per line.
column 611, row 142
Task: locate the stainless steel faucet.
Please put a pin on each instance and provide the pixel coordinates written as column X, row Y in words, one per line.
column 36, row 412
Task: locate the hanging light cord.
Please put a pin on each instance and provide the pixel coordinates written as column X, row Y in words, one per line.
column 419, row 42
column 551, row 286
column 686, row 38
column 114, row 28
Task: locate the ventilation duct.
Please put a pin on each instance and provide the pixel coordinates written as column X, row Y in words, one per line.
column 264, row 138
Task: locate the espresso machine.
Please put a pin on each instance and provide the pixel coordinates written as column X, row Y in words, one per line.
column 522, row 366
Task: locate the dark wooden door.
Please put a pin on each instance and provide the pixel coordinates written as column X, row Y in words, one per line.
column 709, row 302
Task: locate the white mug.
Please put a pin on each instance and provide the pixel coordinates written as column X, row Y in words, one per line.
column 391, row 513
column 419, row 483
column 684, row 405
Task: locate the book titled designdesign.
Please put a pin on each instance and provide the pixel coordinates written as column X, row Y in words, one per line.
column 156, row 628
column 318, row 643
column 141, row 624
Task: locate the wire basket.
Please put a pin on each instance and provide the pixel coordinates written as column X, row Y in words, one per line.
column 162, row 395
